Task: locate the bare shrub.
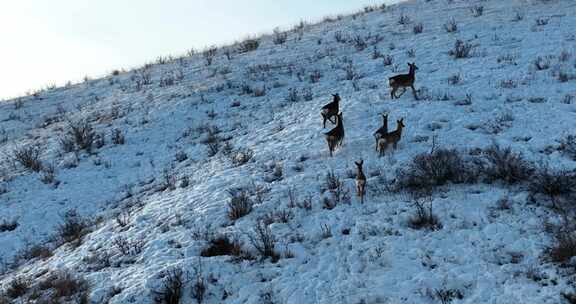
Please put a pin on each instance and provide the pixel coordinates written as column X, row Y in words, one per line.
column 199, row 287
column 564, row 56
column 563, row 76
column 172, row 287
column 451, row 26
column 34, row 252
column 568, row 146
column 563, row 248
column 168, row 181
column 123, row 218
column 350, row 72
column 555, row 184
column 501, row 122
column 241, row 156
column 541, row 21
column 404, row 19
column 264, row 241
column 293, row 95
column 418, row 28
column 29, row 157
column 129, row 247
column 326, row 232
column 79, row 136
column 240, row 204
column 477, row 10
column 180, row 156
column 359, row 43
column 65, row 287
column 455, row 79
column 508, row 84
column 424, row 218
column 8, row 225
column 279, row 37
column 446, row 295
column 461, row 50
column 73, row 229
column 249, row 45
column 17, row 287
column 209, row 54
column 505, row 165
column 387, row 60
column 339, row 193
column 49, row 174
column 315, row 76
column 307, row 94
column 339, row 37
column 429, row 170
column 118, row 137
column 222, row 245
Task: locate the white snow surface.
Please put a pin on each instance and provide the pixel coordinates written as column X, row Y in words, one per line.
column 381, row 260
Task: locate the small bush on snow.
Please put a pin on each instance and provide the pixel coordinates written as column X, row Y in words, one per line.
column 279, row 37
column 64, row 287
column 424, row 218
column 8, row 225
column 461, row 50
column 223, row 245
column 17, row 287
column 451, row 26
column 79, row 136
column 428, row 170
column 554, row 184
column 249, row 45
column 568, row 146
column 418, row 28
column 73, row 229
column 505, row 165
column 172, row 287
column 240, row 204
column 264, row 241
column 29, row 157
column 563, row 249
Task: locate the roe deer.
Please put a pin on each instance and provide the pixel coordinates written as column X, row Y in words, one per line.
column 360, row 181
column 330, row 110
column 392, row 137
column 382, row 130
column 335, row 136
column 403, row 81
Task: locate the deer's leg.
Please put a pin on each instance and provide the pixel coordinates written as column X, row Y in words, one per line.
column 414, row 92
column 394, row 145
column 403, row 91
column 323, row 120
column 392, row 92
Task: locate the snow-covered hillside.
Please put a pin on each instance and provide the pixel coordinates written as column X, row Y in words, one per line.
column 116, row 210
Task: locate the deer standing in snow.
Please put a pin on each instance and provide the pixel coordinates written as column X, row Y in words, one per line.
column 330, row 110
column 392, row 137
column 360, row 181
column 383, row 130
column 403, row 81
column 335, row 136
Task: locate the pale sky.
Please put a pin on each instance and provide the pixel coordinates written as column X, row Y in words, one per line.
column 46, row 42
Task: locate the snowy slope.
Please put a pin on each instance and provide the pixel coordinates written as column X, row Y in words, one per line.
column 380, row 259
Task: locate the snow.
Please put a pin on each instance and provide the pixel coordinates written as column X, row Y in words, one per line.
column 381, row 260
